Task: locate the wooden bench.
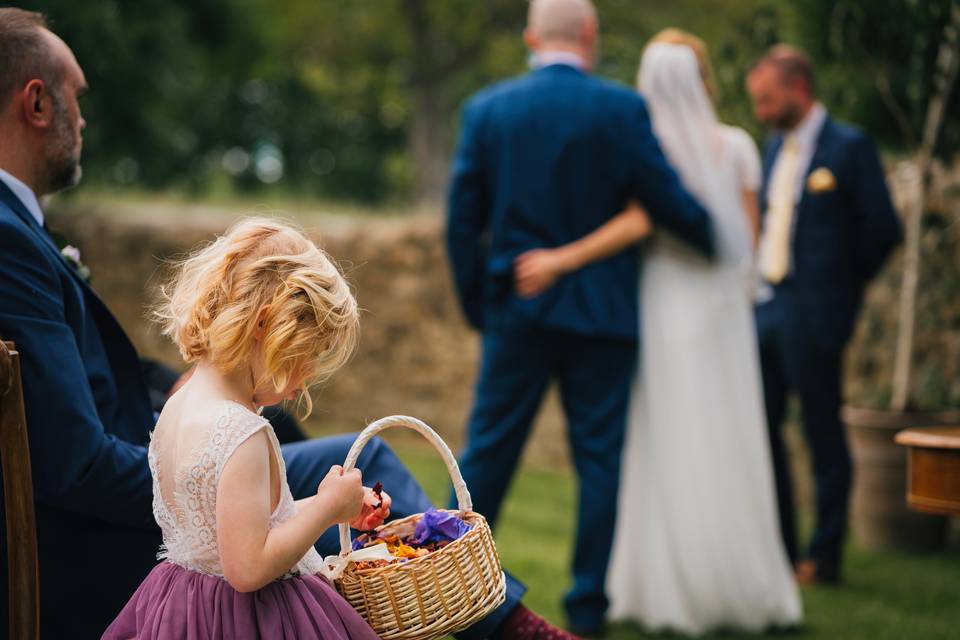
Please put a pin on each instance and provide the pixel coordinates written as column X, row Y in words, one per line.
column 23, row 579
column 933, row 469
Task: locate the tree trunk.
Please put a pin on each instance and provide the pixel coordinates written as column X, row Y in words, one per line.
column 429, row 143
column 948, row 60
column 908, row 290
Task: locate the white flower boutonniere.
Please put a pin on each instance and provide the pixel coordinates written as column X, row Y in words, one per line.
column 71, row 255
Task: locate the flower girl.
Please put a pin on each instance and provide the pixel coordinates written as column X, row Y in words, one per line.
column 261, row 313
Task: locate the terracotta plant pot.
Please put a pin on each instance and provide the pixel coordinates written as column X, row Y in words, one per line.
column 881, row 518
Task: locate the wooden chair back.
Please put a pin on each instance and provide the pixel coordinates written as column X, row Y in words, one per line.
column 23, row 581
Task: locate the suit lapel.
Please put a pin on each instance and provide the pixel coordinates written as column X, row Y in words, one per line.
column 817, row 160
column 43, row 238
column 10, row 199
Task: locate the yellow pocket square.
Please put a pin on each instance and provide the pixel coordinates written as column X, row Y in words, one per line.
column 821, row 180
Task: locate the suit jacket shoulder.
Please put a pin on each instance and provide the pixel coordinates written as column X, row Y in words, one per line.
column 843, row 132
column 496, row 91
column 22, row 254
column 15, row 233
column 87, row 409
column 555, row 77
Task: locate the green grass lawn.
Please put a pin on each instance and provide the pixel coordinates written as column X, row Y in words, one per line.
column 886, row 595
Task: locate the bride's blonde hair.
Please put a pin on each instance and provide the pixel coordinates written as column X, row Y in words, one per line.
column 679, row 36
column 266, row 272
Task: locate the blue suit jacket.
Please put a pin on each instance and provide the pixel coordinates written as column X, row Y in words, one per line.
column 88, row 411
column 544, row 160
column 841, row 237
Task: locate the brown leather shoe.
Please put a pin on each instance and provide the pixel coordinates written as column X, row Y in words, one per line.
column 817, row 572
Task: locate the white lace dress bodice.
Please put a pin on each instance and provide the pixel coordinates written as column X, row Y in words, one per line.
column 188, row 517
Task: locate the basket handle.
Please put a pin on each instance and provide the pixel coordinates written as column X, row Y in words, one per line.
column 459, row 486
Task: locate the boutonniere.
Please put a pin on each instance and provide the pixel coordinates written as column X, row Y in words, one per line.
column 71, row 255
column 821, row 180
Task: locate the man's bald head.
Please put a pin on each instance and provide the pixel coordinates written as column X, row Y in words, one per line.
column 560, row 20
column 563, row 25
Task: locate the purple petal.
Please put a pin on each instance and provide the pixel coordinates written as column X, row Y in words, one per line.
column 437, row 526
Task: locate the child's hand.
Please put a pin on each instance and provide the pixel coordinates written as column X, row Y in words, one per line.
column 376, row 509
column 343, row 493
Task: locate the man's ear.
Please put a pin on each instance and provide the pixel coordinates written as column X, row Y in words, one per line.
column 36, row 103
column 530, row 39
column 588, row 33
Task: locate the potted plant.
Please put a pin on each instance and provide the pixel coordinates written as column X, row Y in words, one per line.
column 910, row 54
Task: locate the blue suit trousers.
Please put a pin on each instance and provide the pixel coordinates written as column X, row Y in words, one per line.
column 594, row 376
column 792, row 360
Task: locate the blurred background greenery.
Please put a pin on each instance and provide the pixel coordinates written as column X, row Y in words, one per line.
column 358, row 100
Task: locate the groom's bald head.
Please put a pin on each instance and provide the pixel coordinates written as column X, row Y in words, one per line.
column 562, row 24
column 560, row 20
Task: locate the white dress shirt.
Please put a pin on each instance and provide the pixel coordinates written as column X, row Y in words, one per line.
column 547, row 58
column 806, row 133
column 25, row 193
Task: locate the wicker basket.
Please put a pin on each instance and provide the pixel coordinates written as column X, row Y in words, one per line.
column 437, row 594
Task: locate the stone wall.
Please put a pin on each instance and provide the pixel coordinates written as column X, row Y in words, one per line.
column 416, row 354
column 418, row 357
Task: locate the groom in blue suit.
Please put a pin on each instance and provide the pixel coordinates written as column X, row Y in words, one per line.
column 828, row 226
column 544, row 160
column 88, row 410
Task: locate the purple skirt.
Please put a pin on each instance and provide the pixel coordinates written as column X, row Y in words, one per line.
column 174, row 603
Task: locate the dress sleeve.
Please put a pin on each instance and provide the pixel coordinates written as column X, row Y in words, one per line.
column 746, row 158
column 234, row 427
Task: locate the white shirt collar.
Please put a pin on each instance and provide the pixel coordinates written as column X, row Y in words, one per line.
column 25, row 193
column 808, row 130
column 547, row 58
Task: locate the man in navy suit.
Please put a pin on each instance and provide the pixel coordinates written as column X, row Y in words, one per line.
column 828, row 226
column 543, row 160
column 88, row 409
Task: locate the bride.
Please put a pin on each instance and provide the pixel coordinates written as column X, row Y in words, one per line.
column 697, row 545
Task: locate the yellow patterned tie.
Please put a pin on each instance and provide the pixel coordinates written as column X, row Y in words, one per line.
column 781, row 201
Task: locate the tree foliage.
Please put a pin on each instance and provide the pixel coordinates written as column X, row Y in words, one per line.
column 877, row 63
column 358, row 100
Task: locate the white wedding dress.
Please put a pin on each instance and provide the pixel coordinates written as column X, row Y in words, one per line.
column 697, row 544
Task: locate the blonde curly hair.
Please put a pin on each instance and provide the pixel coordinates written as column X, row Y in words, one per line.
column 262, row 272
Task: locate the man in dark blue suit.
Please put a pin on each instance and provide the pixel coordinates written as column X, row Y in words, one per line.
column 828, row 226
column 88, row 410
column 543, row 160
